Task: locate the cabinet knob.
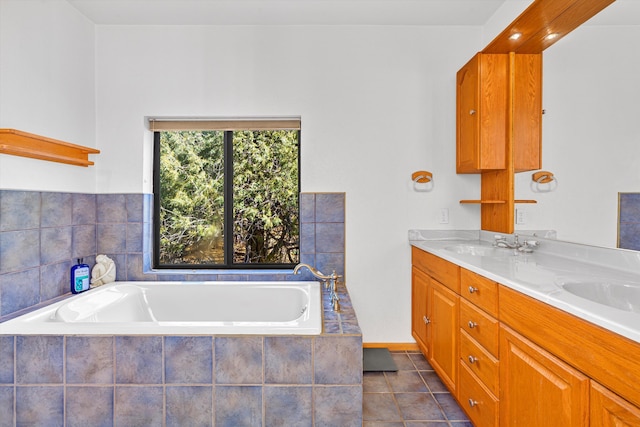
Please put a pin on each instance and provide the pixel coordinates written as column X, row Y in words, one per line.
column 472, row 112
column 472, row 289
column 472, row 324
column 472, row 402
column 426, row 320
column 472, row 359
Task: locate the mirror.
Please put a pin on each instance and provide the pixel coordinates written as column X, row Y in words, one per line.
column 591, row 129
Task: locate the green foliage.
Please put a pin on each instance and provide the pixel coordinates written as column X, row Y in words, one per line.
column 265, row 208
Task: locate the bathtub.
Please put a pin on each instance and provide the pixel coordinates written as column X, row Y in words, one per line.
column 180, row 308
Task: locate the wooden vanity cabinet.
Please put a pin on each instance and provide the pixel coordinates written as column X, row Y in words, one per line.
column 435, row 311
column 610, row 410
column 537, row 388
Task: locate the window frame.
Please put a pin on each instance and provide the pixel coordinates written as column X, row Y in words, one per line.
column 228, row 202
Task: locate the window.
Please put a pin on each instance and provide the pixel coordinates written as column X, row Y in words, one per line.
column 226, row 193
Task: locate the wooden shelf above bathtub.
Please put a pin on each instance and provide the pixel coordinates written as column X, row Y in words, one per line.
column 24, row 144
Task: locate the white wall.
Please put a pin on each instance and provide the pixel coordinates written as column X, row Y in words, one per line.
column 46, row 88
column 591, row 137
column 377, row 103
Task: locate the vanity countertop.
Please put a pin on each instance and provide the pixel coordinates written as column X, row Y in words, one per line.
column 546, row 272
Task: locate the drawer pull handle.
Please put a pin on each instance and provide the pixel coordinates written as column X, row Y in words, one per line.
column 472, row 289
column 472, row 324
column 472, row 402
column 426, row 320
column 472, row 359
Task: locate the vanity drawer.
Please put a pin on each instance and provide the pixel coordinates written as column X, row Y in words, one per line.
column 480, row 361
column 481, row 291
column 477, row 401
column 443, row 271
column 480, row 326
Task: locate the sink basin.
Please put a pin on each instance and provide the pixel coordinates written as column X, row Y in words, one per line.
column 480, row 250
column 623, row 296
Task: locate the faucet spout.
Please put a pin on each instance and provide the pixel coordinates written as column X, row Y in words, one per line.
column 313, row 271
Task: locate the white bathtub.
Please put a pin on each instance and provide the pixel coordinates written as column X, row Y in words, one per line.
column 180, row 308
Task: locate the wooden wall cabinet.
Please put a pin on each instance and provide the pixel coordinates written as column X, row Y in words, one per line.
column 481, row 104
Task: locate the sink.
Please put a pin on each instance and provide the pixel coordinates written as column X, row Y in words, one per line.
column 480, row 250
column 623, row 296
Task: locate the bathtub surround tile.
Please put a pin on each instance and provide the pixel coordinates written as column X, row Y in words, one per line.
column 83, row 211
column 111, row 238
column 111, row 208
column 6, row 406
column 19, row 290
column 238, row 360
column 307, row 238
column 135, row 268
column 330, row 237
column 56, row 209
column 89, row 360
column 629, row 221
column 19, row 210
column 138, row 406
column 89, row 406
column 135, row 207
column 39, row 406
column 238, row 406
column 138, row 360
column 188, row 360
column 134, row 237
column 83, row 241
column 327, row 262
column 189, row 406
column 338, row 405
column 54, row 280
column 330, row 207
column 19, row 250
column 55, row 244
column 288, row 406
column 39, row 359
column 288, row 360
column 307, row 208
column 338, row 360
column 6, row 359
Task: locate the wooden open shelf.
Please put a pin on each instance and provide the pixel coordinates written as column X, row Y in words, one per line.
column 482, row 201
column 24, row 144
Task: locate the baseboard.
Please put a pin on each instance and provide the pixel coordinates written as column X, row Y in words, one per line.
column 393, row 346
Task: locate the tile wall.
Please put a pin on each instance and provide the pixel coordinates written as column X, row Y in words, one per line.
column 42, row 234
column 163, row 380
column 629, row 221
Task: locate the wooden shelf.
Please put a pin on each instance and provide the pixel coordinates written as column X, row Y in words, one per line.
column 525, row 201
column 24, row 144
column 482, row 202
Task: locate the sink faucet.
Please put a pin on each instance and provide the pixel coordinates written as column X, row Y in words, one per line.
column 330, row 282
column 526, row 246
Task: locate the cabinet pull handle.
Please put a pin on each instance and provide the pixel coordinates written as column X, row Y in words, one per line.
column 472, row 359
column 426, row 320
column 472, row 289
column 472, row 112
column 472, row 402
column 472, row 324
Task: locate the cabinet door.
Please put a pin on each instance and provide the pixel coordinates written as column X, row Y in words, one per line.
column 538, row 389
column 610, row 410
column 419, row 319
column 443, row 346
column 481, row 97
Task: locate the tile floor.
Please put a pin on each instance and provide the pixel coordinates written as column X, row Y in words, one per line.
column 412, row 397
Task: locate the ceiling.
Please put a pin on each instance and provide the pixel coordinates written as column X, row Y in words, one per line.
column 318, row 12
column 288, row 12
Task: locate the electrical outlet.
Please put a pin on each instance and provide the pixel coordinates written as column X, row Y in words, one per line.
column 521, row 216
column 444, row 216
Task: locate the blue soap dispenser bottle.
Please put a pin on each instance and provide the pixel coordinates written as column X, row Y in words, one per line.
column 79, row 277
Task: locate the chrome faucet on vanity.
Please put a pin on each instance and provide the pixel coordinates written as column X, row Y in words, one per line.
column 330, row 282
column 526, row 246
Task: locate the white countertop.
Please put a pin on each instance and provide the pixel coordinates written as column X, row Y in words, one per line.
column 542, row 273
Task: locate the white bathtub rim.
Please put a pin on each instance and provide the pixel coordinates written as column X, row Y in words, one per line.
column 36, row 323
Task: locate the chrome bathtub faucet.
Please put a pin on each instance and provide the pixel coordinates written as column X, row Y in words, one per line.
column 526, row 246
column 330, row 282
